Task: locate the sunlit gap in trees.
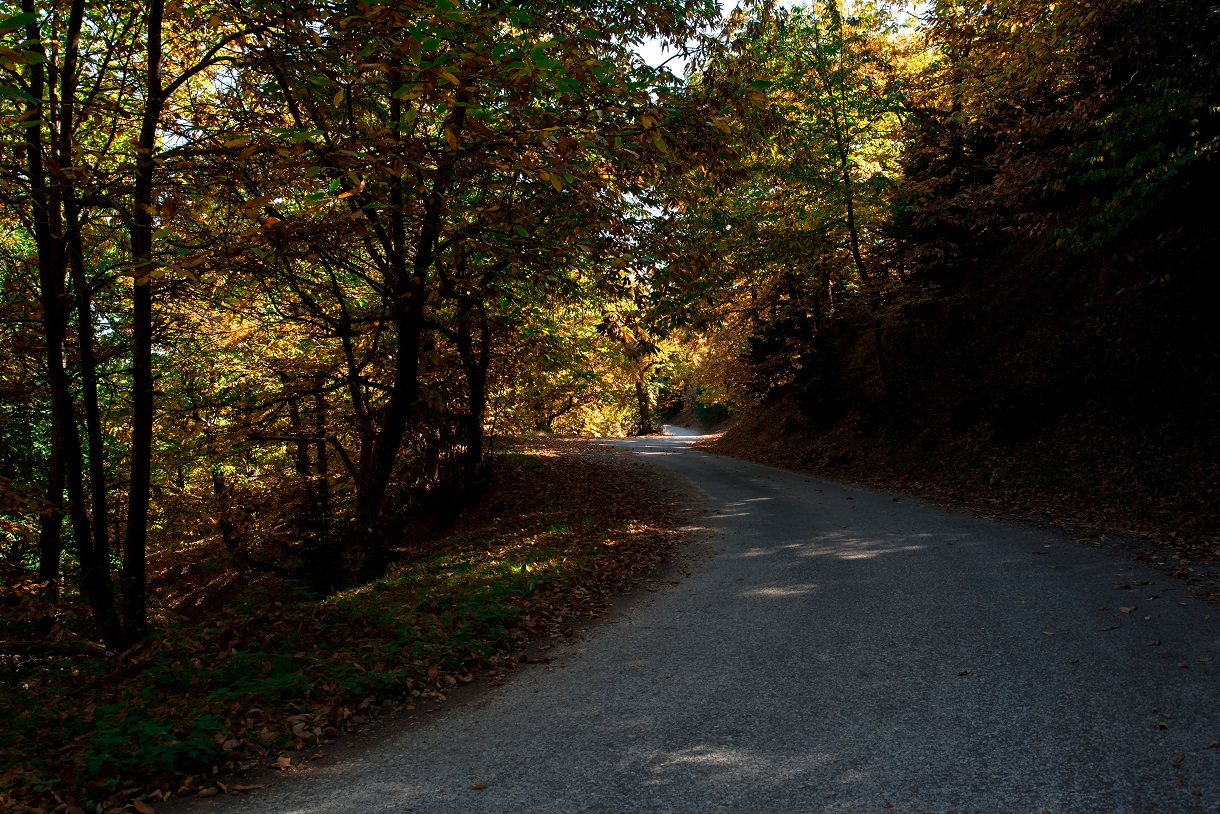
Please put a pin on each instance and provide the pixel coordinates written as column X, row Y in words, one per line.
column 657, row 52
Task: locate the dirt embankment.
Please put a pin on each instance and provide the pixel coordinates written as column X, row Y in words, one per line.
column 1088, row 395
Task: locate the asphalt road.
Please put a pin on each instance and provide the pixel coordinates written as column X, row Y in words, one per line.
column 833, row 650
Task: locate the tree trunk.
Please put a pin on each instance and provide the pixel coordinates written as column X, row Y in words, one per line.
column 50, row 533
column 302, row 456
column 321, row 464
column 135, row 611
column 475, row 367
column 407, row 302
column 51, row 523
column 220, row 488
column 94, row 570
column 80, row 284
column 645, row 416
column 853, row 234
column 883, row 370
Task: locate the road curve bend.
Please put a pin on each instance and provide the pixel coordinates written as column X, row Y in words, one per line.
column 837, row 650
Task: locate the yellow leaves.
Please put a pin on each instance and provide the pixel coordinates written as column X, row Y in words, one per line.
column 143, row 807
column 449, row 77
column 647, row 122
column 757, row 98
column 338, row 100
column 347, row 193
column 257, row 203
column 241, row 141
column 451, row 137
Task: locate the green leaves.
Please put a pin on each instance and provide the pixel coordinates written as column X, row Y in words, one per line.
column 18, row 21
column 16, row 93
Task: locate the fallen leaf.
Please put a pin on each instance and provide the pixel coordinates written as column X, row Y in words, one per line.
column 317, row 756
column 1048, row 633
column 143, row 807
column 964, row 673
column 477, row 786
column 1183, row 665
column 222, row 787
column 244, row 787
column 282, row 763
column 230, row 744
column 1154, row 643
column 1128, row 609
column 669, row 675
column 888, row 804
column 1162, row 725
column 1110, row 627
column 1177, row 759
column 212, row 792
column 1075, row 661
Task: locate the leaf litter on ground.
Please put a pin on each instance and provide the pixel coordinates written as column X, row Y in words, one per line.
column 232, row 684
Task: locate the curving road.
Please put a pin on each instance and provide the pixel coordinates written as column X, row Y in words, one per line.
column 834, row 650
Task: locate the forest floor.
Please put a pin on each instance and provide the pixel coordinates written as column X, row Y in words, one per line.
column 253, row 670
column 1092, row 483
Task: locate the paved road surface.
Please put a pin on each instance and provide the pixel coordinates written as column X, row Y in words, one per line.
column 835, row 651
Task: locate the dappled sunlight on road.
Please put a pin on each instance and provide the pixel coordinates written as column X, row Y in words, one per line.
column 780, row 591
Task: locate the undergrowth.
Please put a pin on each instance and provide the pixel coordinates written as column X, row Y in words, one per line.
column 277, row 667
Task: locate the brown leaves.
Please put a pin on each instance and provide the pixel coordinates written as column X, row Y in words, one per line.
column 143, row 807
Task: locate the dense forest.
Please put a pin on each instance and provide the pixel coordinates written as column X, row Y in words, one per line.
column 276, row 276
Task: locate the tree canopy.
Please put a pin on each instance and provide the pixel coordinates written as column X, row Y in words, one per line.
column 274, row 275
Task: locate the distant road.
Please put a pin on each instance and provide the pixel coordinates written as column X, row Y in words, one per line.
column 833, row 651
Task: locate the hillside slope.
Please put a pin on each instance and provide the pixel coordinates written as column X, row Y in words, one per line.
column 1034, row 384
